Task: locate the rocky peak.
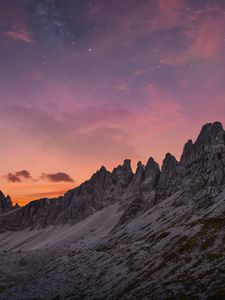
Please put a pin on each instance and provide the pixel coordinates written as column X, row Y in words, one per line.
column 100, row 174
column 140, row 168
column 98, row 181
column 123, row 174
column 16, row 205
column 5, row 202
column 211, row 134
column 169, row 164
column 211, row 137
column 151, row 176
column 103, row 170
column 203, row 163
column 127, row 166
column 151, row 168
column 169, row 182
column 187, row 152
column 138, row 176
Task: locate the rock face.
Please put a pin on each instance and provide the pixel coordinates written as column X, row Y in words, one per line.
column 169, row 178
column 199, row 176
column 5, row 203
column 204, row 163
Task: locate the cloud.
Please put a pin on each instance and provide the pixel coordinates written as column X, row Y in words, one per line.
column 24, row 174
column 12, row 178
column 161, row 111
column 21, row 35
column 171, row 6
column 18, row 176
column 204, row 38
column 13, row 24
column 90, row 132
column 57, row 177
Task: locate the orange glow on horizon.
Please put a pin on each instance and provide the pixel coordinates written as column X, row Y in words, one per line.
column 25, row 192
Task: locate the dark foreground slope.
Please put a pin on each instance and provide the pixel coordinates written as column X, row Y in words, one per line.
column 149, row 235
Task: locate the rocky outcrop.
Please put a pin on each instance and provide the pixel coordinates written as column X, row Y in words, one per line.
column 169, row 181
column 5, row 203
column 200, row 173
column 204, row 163
column 122, row 175
column 199, row 176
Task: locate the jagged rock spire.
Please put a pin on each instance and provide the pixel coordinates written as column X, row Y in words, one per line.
column 123, row 175
column 168, row 177
column 211, row 133
column 151, row 168
column 5, row 202
column 187, row 152
column 169, row 163
column 151, row 176
column 138, row 176
column 140, row 169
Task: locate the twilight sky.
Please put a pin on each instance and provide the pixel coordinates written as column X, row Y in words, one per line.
column 89, row 83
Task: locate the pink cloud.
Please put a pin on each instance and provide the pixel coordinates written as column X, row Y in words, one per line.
column 169, row 7
column 95, row 9
column 17, row 27
column 205, row 41
column 123, row 87
column 20, row 35
column 160, row 110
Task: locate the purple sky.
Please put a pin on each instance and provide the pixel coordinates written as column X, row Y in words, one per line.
column 89, row 83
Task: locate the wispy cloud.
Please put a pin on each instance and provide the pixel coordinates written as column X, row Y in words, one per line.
column 20, row 35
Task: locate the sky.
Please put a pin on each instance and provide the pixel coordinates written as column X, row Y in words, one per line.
column 90, row 83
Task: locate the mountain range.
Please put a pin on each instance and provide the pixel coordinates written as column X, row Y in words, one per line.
column 157, row 233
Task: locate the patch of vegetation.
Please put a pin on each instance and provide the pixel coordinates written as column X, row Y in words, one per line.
column 120, row 262
column 131, row 286
column 188, row 245
column 2, row 289
column 210, row 224
column 147, row 273
column 162, row 235
column 170, row 256
column 213, row 256
column 217, row 295
column 174, row 270
column 57, row 297
column 204, row 274
column 161, row 266
column 188, row 282
column 131, row 261
column 181, row 297
column 105, row 247
column 196, row 264
column 214, row 223
column 187, row 259
column 208, row 243
column 150, row 238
